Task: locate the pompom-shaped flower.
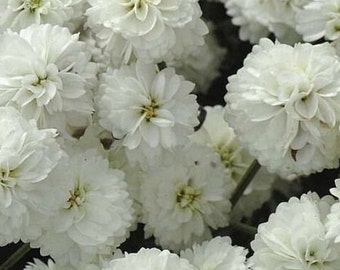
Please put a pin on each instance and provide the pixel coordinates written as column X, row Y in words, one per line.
column 18, row 14
column 141, row 17
column 216, row 254
column 47, row 78
column 184, row 198
column 319, row 19
column 140, row 104
column 93, row 214
column 150, row 259
column 27, row 155
column 284, row 106
column 295, row 237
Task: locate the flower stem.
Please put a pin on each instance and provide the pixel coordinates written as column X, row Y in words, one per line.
column 245, row 181
column 244, row 228
column 15, row 257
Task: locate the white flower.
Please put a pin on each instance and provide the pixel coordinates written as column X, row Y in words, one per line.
column 218, row 253
column 254, row 16
column 18, row 14
column 319, row 19
column 252, row 26
column 139, row 104
column 141, row 17
column 166, row 28
column 186, row 196
column 216, row 134
column 39, row 265
column 27, row 155
column 149, row 259
column 295, row 237
column 284, row 106
column 93, row 214
column 333, row 220
column 48, row 78
column 201, row 64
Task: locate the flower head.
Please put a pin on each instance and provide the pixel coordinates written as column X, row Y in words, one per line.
column 93, row 213
column 182, row 200
column 148, row 259
column 27, row 156
column 284, row 106
column 215, row 254
column 140, row 104
column 45, row 81
column 295, row 237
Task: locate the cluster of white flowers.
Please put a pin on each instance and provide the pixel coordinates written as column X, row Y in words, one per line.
column 215, row 254
column 102, row 133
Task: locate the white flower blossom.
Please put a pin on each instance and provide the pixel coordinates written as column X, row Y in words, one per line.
column 295, row 237
column 218, row 253
column 220, row 137
column 257, row 17
column 138, row 104
column 166, row 28
column 201, row 64
column 49, row 75
column 27, row 155
column 93, row 213
column 141, row 17
column 19, row 14
column 185, row 197
column 284, row 106
column 319, row 19
column 149, row 259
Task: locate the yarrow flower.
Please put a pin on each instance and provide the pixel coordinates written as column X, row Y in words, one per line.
column 257, row 17
column 47, row 78
column 140, row 104
column 284, row 106
column 20, row 14
column 220, row 137
column 93, row 213
column 149, row 259
column 146, row 29
column 27, row 155
column 218, row 253
column 319, row 19
column 295, row 237
column 185, row 197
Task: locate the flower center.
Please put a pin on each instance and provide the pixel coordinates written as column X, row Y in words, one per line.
column 232, row 159
column 32, row 4
column 150, row 110
column 77, row 197
column 187, row 197
column 5, row 177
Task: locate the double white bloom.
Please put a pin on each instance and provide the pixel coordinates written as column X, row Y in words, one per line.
column 284, row 105
column 142, row 105
column 43, row 73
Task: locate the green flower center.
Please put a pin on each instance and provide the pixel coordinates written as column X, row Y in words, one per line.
column 32, row 5
column 188, row 197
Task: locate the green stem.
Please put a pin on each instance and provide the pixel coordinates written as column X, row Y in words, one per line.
column 15, row 257
column 245, row 181
column 244, row 228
